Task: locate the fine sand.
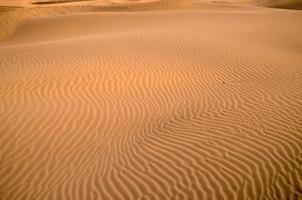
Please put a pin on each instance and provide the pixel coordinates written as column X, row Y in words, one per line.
column 150, row 100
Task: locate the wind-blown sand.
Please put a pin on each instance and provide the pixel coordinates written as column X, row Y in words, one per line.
column 150, row 100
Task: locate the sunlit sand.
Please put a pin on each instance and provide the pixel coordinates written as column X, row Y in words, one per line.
column 150, row 99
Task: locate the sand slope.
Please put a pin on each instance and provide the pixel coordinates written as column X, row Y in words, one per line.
column 288, row 4
column 13, row 14
column 203, row 102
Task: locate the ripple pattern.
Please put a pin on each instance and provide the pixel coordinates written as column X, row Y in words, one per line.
column 155, row 106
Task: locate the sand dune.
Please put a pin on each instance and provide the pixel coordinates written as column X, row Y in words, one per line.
column 289, row 4
column 10, row 19
column 160, row 100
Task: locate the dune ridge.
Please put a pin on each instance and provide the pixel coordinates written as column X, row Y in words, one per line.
column 38, row 2
column 166, row 104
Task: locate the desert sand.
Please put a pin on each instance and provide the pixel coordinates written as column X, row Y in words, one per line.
column 150, row 99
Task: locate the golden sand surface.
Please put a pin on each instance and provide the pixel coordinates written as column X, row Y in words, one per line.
column 166, row 99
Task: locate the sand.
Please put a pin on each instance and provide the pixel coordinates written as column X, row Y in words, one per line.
column 150, row 100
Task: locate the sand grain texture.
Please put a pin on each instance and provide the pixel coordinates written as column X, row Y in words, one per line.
column 199, row 102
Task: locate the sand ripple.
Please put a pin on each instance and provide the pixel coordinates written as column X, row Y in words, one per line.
column 157, row 105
